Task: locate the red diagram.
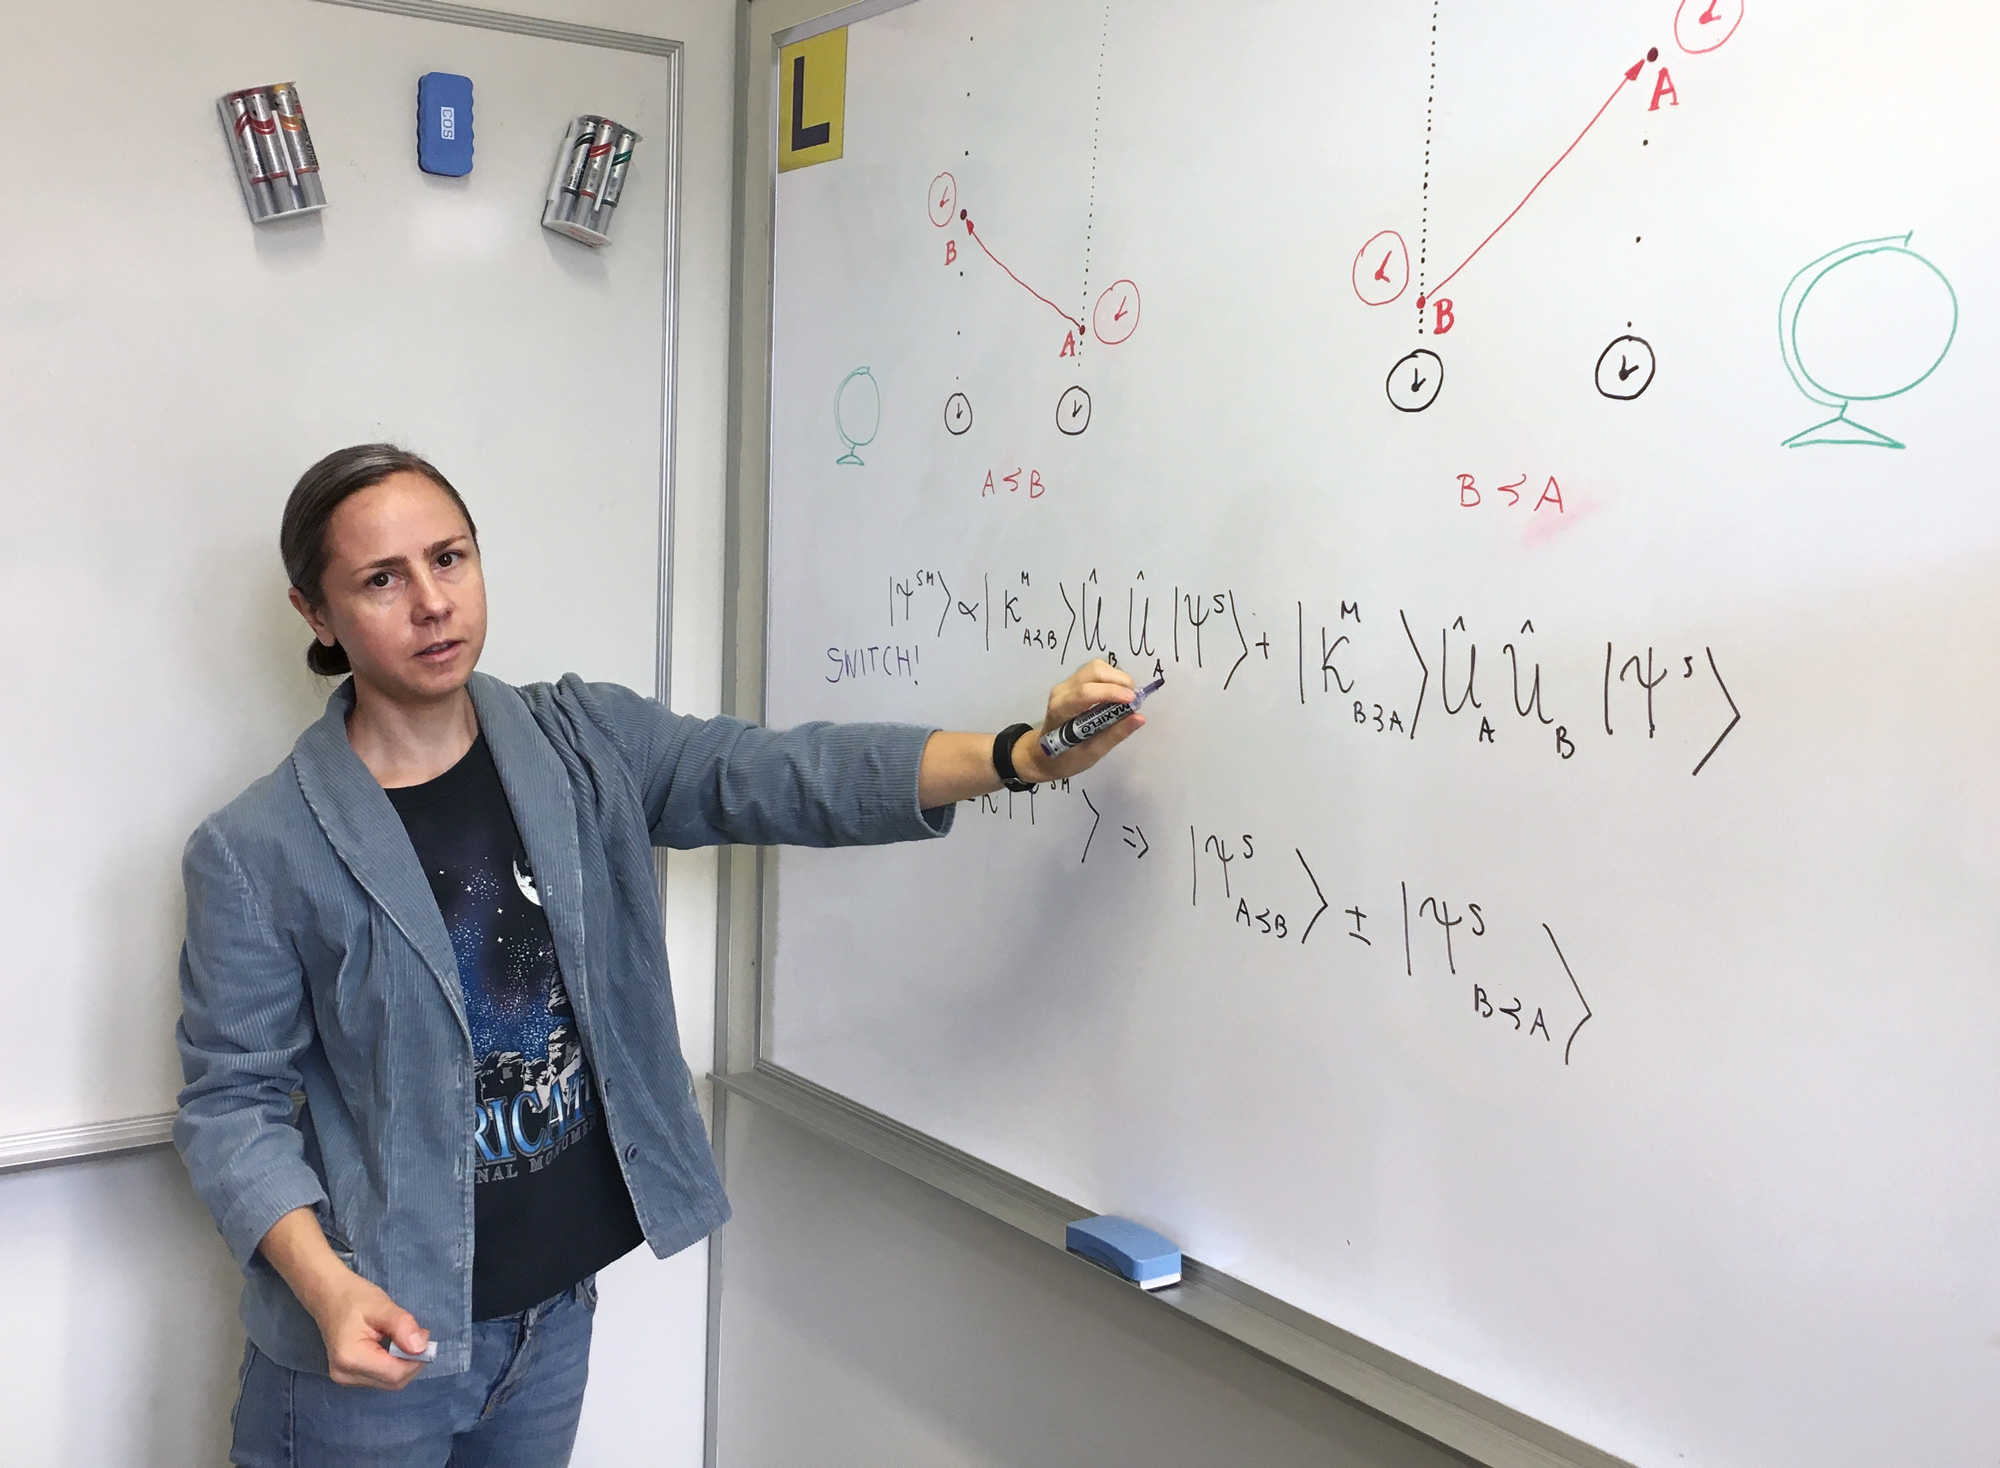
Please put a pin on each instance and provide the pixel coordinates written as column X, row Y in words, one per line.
column 944, row 199
column 1382, row 269
column 1702, row 25
column 1116, row 316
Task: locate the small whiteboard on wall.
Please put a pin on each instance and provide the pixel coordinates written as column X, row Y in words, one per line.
column 1548, row 926
column 167, row 371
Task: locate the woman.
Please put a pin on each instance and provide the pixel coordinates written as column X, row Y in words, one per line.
column 438, row 921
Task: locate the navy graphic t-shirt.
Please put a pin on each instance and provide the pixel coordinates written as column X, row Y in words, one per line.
column 549, row 1203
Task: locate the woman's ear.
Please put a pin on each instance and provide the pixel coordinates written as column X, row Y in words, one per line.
column 314, row 619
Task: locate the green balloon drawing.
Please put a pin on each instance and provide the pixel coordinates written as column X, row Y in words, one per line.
column 1862, row 324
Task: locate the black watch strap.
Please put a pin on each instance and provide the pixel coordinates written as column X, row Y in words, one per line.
column 1003, row 757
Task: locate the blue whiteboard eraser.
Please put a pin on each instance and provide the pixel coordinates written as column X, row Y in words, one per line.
column 1129, row 1250
column 444, row 123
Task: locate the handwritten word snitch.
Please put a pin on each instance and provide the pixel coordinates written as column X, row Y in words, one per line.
column 847, row 664
column 1269, row 893
column 1398, row 674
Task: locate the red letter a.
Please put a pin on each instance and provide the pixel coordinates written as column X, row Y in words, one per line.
column 1664, row 87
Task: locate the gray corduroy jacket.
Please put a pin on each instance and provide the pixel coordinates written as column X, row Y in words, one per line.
column 316, row 960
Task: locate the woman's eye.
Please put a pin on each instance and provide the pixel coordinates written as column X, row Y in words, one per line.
column 451, row 558
column 379, row 580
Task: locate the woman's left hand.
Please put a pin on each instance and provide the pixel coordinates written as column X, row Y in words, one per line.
column 1094, row 683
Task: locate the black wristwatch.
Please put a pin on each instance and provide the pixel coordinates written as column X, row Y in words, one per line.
column 1003, row 757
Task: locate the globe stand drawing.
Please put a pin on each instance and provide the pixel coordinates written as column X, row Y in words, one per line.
column 857, row 413
column 1878, row 320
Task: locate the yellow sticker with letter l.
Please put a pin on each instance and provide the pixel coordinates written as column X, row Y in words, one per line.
column 812, row 99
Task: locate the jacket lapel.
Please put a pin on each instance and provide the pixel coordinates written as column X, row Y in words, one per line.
column 370, row 839
column 539, row 791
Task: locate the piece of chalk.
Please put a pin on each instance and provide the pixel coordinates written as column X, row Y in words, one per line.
column 1130, row 1250
column 429, row 1352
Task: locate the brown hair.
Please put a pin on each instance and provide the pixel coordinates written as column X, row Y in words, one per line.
column 320, row 491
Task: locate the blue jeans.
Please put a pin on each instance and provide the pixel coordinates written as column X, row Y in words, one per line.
column 516, row 1408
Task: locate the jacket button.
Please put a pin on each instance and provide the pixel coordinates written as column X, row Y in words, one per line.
column 632, row 1153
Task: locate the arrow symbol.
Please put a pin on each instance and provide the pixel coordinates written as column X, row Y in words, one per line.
column 1119, row 314
column 1075, row 408
column 1140, row 845
column 1095, row 817
column 1382, row 270
column 1708, row 16
column 1416, row 379
column 1008, row 272
column 1625, row 370
column 1631, row 75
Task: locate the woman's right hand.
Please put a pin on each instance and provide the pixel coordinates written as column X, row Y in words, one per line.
column 354, row 1315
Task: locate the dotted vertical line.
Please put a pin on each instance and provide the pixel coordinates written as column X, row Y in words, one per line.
column 1090, row 209
column 1430, row 115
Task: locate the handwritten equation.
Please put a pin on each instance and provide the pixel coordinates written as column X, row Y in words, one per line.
column 1388, row 671
column 1266, row 891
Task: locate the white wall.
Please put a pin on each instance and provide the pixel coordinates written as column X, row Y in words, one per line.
column 122, row 1343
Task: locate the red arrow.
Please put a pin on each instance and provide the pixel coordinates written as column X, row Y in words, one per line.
column 1017, row 279
column 1382, row 270
column 1631, row 75
column 1119, row 314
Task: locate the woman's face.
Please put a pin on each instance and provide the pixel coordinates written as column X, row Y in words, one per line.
column 403, row 593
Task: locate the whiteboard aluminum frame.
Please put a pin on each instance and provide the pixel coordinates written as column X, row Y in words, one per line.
column 135, row 1133
column 1388, row 1386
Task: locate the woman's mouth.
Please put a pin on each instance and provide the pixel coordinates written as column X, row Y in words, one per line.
column 437, row 652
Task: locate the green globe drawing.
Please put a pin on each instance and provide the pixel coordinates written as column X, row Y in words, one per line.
column 857, row 413
column 1861, row 324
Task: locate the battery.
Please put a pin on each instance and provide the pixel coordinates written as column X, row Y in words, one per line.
column 597, row 163
column 621, row 164
column 271, row 154
column 235, row 110
column 589, row 178
column 571, row 165
column 273, row 151
column 297, row 138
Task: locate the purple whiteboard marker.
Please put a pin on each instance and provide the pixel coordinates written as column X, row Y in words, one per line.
column 1095, row 721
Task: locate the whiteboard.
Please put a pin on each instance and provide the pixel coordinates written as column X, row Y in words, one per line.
column 169, row 371
column 1626, row 1049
